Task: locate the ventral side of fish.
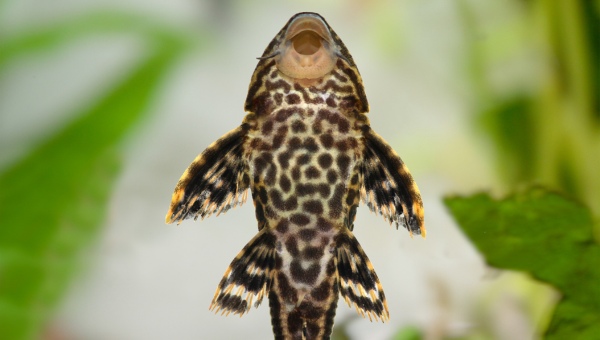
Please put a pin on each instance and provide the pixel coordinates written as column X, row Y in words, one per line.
column 307, row 153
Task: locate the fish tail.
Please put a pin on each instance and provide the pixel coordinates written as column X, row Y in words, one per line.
column 306, row 316
column 248, row 278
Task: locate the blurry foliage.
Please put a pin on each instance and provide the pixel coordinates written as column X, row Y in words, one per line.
column 54, row 199
column 408, row 333
column 546, row 134
column 548, row 236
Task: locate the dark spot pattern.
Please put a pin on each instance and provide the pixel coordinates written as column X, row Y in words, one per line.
column 296, row 173
column 350, row 197
column 285, row 183
column 312, row 253
column 343, row 126
column 260, row 164
column 284, row 159
column 333, row 85
column 311, row 145
column 330, row 268
column 339, row 76
column 324, row 225
column 317, row 128
column 324, row 189
column 292, row 246
column 278, row 97
column 275, row 307
column 285, row 290
column 277, row 85
column 303, row 159
column 303, row 189
column 312, row 329
column 298, row 126
column 352, row 142
column 262, row 194
column 314, row 207
column 332, row 176
column 301, row 275
column 270, row 212
column 326, row 140
column 283, row 114
column 282, row 226
column 322, row 291
column 331, row 102
column 335, row 202
column 280, row 136
column 343, row 162
column 299, row 219
column 312, row 172
column 267, row 128
column 292, row 99
column 295, row 324
column 342, row 145
column 294, row 143
column 282, row 204
column 258, row 211
column 306, row 190
column 271, row 175
column 325, row 160
column 307, row 234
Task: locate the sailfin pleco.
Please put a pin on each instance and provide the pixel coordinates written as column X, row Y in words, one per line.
column 307, row 152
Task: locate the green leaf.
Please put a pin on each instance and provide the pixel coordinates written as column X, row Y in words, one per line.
column 53, row 201
column 82, row 26
column 548, row 236
column 409, row 333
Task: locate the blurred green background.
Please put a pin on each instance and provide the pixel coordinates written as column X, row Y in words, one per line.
column 103, row 104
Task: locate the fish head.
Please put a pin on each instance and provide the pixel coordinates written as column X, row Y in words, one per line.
column 305, row 51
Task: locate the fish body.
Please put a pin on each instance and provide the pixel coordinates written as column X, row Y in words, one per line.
column 306, row 151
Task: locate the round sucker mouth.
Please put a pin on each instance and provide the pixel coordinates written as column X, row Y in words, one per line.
column 307, row 51
column 306, row 42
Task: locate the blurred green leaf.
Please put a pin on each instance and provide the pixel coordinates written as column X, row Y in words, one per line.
column 591, row 20
column 548, row 236
column 512, row 127
column 54, row 36
column 545, row 128
column 53, row 201
column 409, row 333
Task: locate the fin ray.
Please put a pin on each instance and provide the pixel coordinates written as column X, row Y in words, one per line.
column 216, row 181
column 248, row 278
column 388, row 187
column 358, row 282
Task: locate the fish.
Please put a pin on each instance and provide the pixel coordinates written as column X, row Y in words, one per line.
column 308, row 155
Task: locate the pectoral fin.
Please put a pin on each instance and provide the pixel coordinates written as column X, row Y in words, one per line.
column 248, row 278
column 216, row 181
column 387, row 186
column 358, row 283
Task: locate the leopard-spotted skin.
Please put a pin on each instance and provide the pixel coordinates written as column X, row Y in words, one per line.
column 306, row 151
column 303, row 149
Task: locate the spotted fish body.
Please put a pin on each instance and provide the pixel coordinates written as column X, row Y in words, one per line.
column 307, row 153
